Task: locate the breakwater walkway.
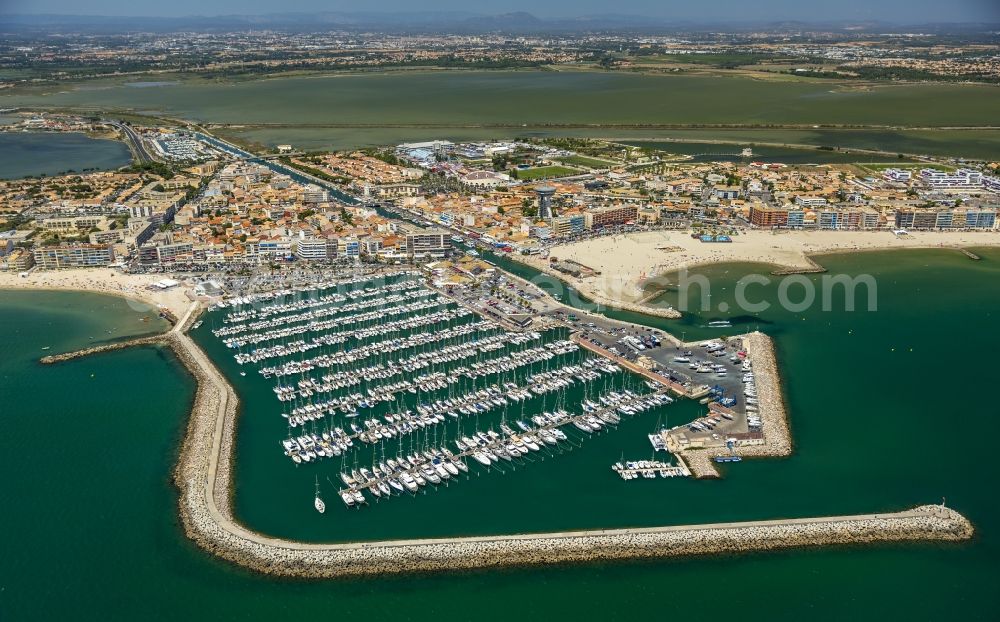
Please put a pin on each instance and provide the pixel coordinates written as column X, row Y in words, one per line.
column 811, row 268
column 204, row 478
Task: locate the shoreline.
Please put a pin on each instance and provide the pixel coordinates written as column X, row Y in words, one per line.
column 134, row 288
column 634, row 255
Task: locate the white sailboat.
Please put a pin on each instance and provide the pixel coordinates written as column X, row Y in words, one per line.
column 318, row 503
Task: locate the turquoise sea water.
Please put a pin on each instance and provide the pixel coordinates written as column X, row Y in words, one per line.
column 887, row 411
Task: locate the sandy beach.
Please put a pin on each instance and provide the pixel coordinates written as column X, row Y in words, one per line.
column 624, row 260
column 103, row 281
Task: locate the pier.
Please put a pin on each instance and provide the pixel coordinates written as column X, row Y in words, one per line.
column 486, row 447
column 772, row 441
column 648, row 469
column 676, row 388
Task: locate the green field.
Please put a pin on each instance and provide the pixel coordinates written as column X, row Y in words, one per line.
column 584, row 161
column 544, row 172
column 984, row 144
column 348, row 111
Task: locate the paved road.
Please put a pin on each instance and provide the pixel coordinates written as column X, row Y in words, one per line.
column 136, row 142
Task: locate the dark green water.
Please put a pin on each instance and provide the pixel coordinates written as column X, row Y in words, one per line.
column 878, row 425
column 51, row 153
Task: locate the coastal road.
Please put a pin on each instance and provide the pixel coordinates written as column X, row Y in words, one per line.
column 135, row 142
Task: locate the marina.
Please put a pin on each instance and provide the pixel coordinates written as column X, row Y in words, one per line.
column 208, row 457
column 408, row 391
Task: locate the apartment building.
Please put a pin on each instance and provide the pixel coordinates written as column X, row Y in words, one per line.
column 432, row 242
column 73, row 256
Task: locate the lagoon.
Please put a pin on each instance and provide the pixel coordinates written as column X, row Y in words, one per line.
column 24, row 154
column 481, row 98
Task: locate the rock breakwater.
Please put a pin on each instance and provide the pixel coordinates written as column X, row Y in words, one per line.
column 203, row 476
column 777, row 439
column 108, row 347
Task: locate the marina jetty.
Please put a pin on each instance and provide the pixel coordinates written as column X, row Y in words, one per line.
column 774, row 439
column 204, row 477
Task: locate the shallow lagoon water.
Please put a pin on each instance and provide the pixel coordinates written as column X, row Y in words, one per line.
column 51, row 153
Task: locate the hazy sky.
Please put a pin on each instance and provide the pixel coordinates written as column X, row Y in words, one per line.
column 904, row 11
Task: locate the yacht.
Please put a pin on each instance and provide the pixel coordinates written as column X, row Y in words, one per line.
column 317, row 502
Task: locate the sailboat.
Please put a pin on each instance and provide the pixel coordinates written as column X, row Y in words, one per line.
column 318, row 503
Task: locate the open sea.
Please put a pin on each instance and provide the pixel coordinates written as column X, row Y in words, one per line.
column 889, row 409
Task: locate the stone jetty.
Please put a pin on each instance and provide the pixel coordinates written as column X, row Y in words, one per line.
column 108, row 347
column 598, row 297
column 777, row 438
column 203, row 476
column 812, row 268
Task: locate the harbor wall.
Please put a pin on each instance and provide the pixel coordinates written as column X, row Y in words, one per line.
column 203, row 476
column 108, row 347
column 600, row 298
column 777, row 439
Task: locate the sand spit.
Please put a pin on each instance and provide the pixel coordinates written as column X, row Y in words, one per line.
column 204, row 478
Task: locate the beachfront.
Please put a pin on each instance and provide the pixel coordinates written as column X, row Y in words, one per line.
column 623, row 261
column 134, row 287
